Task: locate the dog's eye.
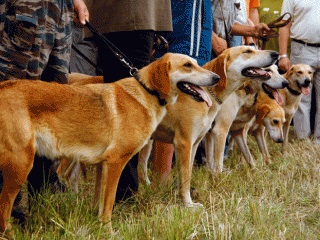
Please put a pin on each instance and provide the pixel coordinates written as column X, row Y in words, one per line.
column 310, row 72
column 188, row 65
column 248, row 51
column 300, row 72
column 275, row 122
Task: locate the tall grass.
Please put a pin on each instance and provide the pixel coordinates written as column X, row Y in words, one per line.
column 279, row 201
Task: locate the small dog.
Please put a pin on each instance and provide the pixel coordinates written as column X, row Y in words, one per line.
column 103, row 124
column 268, row 115
column 300, row 76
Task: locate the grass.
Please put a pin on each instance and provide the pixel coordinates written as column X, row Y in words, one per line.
column 279, row 201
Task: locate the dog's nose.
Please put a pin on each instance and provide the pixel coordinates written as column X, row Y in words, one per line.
column 274, row 55
column 280, row 140
column 307, row 81
column 285, row 84
column 215, row 78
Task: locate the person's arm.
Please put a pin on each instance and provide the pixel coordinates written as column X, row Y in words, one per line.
column 254, row 15
column 248, row 39
column 253, row 31
column 284, row 34
column 218, row 44
column 81, row 11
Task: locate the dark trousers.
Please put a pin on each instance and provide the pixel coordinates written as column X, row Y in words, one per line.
column 137, row 47
column 42, row 174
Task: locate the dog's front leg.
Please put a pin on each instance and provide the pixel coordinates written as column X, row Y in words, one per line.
column 242, row 144
column 286, row 128
column 209, row 146
column 110, row 175
column 183, row 153
column 259, row 135
column 219, row 139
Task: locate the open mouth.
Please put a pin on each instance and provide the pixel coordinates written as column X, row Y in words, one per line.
column 273, row 93
column 255, row 72
column 305, row 88
column 196, row 92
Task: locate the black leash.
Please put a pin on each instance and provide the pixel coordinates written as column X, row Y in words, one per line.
column 122, row 58
column 133, row 71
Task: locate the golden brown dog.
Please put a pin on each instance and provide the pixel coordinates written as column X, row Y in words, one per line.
column 104, row 124
column 236, row 111
column 268, row 114
column 300, row 77
column 187, row 121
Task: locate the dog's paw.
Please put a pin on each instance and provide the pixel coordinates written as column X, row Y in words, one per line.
column 148, row 182
column 194, row 205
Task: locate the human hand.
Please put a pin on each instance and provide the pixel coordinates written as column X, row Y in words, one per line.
column 219, row 45
column 81, row 12
column 284, row 64
column 261, row 30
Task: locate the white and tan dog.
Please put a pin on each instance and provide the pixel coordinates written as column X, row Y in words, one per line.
column 300, row 77
column 187, row 121
column 235, row 112
column 268, row 115
column 104, row 124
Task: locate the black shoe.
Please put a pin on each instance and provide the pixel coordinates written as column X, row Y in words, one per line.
column 18, row 215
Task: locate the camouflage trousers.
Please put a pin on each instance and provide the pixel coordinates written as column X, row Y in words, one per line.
column 35, row 39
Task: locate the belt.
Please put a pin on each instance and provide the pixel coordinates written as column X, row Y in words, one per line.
column 307, row 44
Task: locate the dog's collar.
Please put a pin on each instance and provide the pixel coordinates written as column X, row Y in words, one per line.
column 294, row 92
column 161, row 101
column 214, row 96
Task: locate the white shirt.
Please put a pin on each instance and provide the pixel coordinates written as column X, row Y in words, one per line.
column 242, row 17
column 305, row 19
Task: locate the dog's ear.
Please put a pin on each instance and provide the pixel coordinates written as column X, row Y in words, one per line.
column 261, row 113
column 159, row 76
column 219, row 67
column 289, row 73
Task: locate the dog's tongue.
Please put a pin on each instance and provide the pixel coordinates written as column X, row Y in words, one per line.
column 278, row 97
column 305, row 90
column 260, row 71
column 204, row 95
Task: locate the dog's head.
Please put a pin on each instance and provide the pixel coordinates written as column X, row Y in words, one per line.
column 272, row 116
column 236, row 65
column 276, row 81
column 300, row 77
column 248, row 62
column 174, row 73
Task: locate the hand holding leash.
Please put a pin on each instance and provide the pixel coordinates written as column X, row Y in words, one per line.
column 278, row 23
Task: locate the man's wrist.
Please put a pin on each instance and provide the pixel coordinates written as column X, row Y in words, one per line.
column 283, row 56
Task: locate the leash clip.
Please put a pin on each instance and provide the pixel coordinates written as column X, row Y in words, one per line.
column 133, row 71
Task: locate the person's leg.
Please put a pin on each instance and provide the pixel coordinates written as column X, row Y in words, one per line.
column 42, row 174
column 162, row 161
column 83, row 57
column 316, row 84
column 301, row 119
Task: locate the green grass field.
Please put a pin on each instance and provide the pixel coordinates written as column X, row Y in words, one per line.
column 280, row 201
